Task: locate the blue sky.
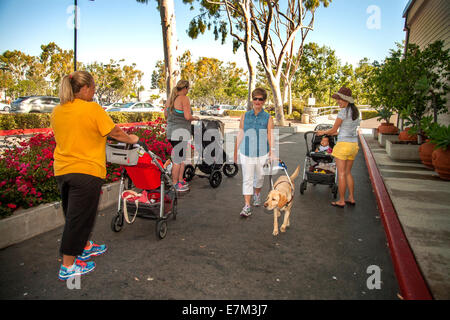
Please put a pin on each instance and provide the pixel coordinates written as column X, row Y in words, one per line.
column 115, row 29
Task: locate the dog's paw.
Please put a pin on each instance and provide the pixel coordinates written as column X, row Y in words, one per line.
column 283, row 228
column 275, row 232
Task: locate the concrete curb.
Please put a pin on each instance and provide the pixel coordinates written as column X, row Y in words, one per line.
column 411, row 282
column 29, row 223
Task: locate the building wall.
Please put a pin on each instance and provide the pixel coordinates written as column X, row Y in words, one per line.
column 428, row 21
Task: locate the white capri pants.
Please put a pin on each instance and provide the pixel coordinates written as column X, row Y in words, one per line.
column 252, row 173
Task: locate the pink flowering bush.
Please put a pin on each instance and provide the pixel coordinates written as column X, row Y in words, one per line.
column 26, row 171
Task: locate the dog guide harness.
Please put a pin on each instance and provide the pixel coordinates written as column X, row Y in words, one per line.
column 283, row 165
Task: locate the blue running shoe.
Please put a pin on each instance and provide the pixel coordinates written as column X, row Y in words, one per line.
column 77, row 269
column 94, row 251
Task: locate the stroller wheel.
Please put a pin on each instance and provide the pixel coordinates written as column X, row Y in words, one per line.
column 303, row 187
column 215, row 179
column 161, row 229
column 117, row 223
column 230, row 170
column 189, row 172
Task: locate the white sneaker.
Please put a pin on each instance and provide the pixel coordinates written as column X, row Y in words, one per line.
column 257, row 199
column 246, row 211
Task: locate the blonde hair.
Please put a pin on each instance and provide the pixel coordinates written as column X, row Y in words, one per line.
column 72, row 84
column 180, row 86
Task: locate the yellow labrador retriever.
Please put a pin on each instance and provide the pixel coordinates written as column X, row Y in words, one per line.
column 280, row 199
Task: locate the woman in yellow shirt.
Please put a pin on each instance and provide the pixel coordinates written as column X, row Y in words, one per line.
column 81, row 127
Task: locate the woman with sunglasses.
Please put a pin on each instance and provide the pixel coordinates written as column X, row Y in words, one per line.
column 254, row 143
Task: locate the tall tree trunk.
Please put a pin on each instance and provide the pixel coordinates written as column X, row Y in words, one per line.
column 168, row 25
column 251, row 84
column 274, row 84
column 251, row 75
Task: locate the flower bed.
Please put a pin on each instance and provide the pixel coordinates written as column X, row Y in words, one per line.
column 26, row 170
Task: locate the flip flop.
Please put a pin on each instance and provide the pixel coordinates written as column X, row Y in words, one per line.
column 334, row 204
column 350, row 203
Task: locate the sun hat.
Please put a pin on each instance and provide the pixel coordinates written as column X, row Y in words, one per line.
column 344, row 94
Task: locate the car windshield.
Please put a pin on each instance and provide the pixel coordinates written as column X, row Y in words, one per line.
column 20, row 99
column 127, row 105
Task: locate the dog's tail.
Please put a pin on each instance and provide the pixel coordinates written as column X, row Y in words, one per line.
column 295, row 174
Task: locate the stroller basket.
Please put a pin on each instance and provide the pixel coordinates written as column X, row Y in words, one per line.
column 320, row 178
column 151, row 210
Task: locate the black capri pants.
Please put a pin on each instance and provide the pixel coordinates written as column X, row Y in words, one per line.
column 80, row 195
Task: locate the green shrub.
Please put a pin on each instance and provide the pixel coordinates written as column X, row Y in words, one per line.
column 42, row 120
column 368, row 114
column 234, row 113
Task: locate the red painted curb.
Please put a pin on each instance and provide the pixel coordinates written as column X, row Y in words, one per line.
column 47, row 130
column 411, row 282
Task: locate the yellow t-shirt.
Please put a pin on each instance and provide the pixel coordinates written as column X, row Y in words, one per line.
column 80, row 129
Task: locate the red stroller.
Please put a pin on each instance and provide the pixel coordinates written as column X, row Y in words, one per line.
column 144, row 170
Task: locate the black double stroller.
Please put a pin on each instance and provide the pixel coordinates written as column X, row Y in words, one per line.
column 212, row 159
column 319, row 167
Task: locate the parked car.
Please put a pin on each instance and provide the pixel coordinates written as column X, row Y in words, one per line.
column 206, row 111
column 5, row 107
column 113, row 105
column 136, row 107
column 36, row 104
column 219, row 110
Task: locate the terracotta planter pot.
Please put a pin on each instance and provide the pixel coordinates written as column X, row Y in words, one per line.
column 405, row 136
column 441, row 163
column 387, row 128
column 425, row 152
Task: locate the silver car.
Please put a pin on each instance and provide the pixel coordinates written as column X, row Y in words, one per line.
column 36, row 104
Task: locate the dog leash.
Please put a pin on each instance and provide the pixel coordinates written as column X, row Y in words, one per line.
column 282, row 165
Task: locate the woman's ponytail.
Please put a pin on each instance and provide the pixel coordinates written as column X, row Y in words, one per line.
column 65, row 90
column 72, row 84
column 355, row 111
column 180, row 86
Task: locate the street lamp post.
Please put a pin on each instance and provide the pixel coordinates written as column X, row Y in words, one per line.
column 75, row 35
column 75, row 3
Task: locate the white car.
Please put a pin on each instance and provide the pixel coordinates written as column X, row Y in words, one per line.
column 113, row 105
column 137, row 107
column 5, row 107
column 219, row 110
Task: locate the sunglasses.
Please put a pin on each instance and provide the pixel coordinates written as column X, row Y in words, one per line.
column 258, row 99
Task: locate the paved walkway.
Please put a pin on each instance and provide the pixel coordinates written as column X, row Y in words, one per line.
column 212, row 253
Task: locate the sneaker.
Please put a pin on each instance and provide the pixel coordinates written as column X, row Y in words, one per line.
column 77, row 269
column 257, row 199
column 180, row 187
column 246, row 211
column 184, row 183
column 95, row 250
